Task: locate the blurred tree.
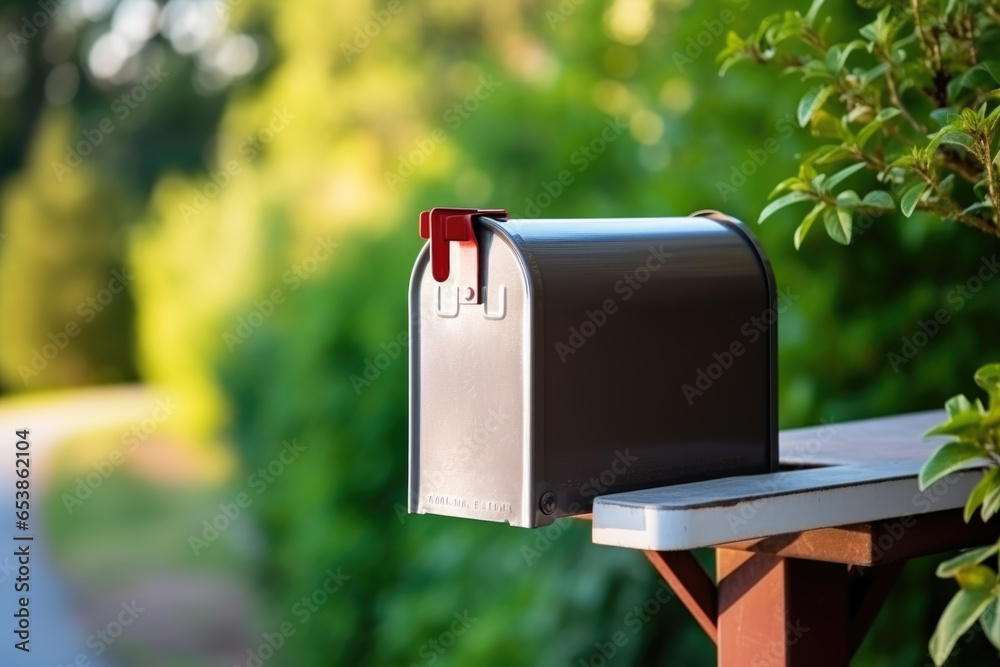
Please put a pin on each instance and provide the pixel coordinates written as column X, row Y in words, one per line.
column 64, row 285
column 97, row 101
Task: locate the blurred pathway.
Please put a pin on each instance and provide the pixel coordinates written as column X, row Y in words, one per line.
column 182, row 617
column 56, row 636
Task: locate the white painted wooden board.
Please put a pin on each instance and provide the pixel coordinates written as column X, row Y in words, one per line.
column 863, row 471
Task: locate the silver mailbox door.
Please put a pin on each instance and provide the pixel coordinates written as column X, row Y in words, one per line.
column 469, row 450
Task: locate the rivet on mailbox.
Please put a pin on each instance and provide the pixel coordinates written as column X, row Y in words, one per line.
column 552, row 361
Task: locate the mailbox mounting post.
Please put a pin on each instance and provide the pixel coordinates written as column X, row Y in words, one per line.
column 805, row 557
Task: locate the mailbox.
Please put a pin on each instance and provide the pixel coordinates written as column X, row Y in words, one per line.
column 552, row 361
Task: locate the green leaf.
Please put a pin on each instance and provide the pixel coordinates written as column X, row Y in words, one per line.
column 904, row 161
column 835, row 154
column 981, row 73
column 990, row 480
column 848, row 48
column 943, row 116
column 990, row 622
column 836, row 56
column 782, row 202
column 947, row 184
column 873, row 73
column 838, row 224
column 879, row 199
column 832, row 61
column 784, row 185
column 988, row 377
column 956, row 138
column 993, row 117
column 909, row 200
column 957, row 405
column 964, row 418
column 991, row 503
column 832, row 181
column 812, row 101
column 735, row 51
column 976, row 578
column 813, row 11
column 815, row 69
column 868, row 130
column 963, row 610
column 981, row 188
column 818, row 153
column 848, row 199
column 887, row 113
column 978, row 206
column 865, row 133
column 803, row 228
column 947, row 459
column 790, row 25
column 967, row 558
column 829, row 126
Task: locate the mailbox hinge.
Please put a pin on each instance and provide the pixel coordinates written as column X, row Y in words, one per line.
column 443, row 226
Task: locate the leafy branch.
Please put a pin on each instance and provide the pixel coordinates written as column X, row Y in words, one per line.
column 975, row 433
column 915, row 66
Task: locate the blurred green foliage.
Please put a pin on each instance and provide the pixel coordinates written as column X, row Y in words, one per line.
column 220, row 216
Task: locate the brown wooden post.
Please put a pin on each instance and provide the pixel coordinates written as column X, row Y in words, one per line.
column 781, row 612
column 691, row 584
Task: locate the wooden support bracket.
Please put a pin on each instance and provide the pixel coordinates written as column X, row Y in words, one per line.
column 692, row 585
column 789, row 611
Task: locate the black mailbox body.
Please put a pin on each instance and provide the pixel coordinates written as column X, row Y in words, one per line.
column 552, row 361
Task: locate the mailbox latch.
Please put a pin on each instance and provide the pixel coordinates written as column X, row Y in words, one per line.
column 443, row 226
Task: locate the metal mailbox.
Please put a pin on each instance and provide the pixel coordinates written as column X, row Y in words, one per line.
column 552, row 361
